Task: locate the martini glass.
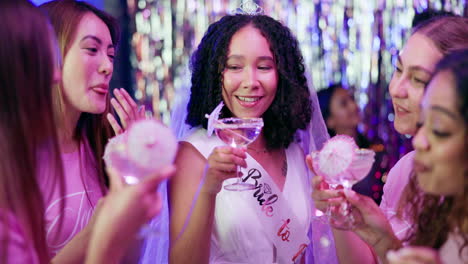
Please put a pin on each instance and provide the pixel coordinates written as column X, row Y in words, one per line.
column 341, row 163
column 237, row 133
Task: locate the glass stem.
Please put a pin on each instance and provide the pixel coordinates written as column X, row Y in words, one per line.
column 239, row 177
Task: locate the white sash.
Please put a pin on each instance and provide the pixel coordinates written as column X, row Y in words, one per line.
column 279, row 221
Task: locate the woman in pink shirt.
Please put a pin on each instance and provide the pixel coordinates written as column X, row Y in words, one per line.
column 440, row 170
column 384, row 228
column 87, row 39
column 28, row 69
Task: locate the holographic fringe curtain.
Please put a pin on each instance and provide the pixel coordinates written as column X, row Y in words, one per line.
column 348, row 41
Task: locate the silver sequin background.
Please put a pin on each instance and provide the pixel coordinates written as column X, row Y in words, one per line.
column 348, row 41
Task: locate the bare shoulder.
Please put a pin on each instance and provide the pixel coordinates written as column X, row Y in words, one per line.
column 187, row 152
column 190, row 164
column 182, row 187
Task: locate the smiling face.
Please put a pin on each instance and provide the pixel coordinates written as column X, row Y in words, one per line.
column 88, row 66
column 441, row 160
column 250, row 78
column 414, row 68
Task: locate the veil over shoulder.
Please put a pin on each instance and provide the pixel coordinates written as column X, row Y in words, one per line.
column 311, row 139
column 156, row 248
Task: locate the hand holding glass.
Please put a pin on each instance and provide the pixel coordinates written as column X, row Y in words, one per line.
column 238, row 132
column 342, row 165
column 141, row 151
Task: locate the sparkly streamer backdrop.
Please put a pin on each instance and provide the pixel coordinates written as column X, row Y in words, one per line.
column 349, row 41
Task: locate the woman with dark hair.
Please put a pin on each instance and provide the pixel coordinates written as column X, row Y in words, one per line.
column 341, row 114
column 87, row 39
column 384, row 229
column 28, row 69
column 253, row 64
column 438, row 192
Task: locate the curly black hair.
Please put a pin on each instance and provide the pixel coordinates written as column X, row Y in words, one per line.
column 290, row 110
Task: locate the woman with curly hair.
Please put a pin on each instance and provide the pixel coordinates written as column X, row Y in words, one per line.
column 251, row 63
column 440, row 233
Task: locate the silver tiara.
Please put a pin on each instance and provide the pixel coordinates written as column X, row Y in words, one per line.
column 248, row 7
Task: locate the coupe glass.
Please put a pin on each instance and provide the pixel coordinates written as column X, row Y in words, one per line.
column 238, row 132
column 342, row 216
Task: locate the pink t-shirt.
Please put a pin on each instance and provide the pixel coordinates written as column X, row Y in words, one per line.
column 450, row 250
column 397, row 179
column 82, row 192
column 19, row 249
